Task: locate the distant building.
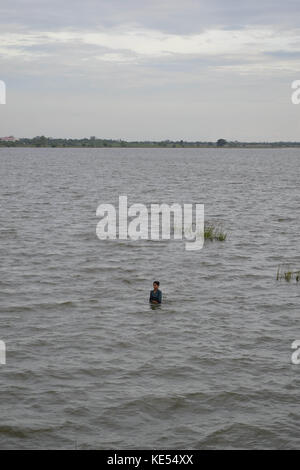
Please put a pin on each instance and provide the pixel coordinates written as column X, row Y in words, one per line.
column 10, row 138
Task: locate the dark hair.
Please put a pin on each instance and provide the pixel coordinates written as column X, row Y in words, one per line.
column 156, row 282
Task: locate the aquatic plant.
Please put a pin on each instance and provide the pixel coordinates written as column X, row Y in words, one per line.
column 214, row 231
column 284, row 272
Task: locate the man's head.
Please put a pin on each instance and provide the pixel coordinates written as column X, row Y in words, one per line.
column 156, row 284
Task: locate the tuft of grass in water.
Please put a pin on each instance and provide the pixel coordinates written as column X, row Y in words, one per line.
column 222, row 236
column 286, row 274
column 214, row 232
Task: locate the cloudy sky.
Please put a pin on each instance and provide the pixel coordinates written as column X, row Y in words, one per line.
column 152, row 69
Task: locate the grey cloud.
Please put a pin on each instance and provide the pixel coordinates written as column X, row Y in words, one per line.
column 284, row 54
column 170, row 15
column 72, row 87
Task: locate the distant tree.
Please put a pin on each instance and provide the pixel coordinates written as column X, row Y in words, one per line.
column 221, row 142
column 40, row 141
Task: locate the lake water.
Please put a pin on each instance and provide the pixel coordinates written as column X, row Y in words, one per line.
column 89, row 364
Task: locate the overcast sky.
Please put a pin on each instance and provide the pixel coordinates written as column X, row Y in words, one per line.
column 152, row 69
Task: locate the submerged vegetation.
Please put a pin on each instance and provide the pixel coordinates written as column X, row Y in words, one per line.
column 214, row 232
column 284, row 272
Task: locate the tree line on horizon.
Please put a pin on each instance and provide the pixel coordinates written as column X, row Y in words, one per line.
column 42, row 141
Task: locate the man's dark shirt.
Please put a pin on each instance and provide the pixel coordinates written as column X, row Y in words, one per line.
column 155, row 296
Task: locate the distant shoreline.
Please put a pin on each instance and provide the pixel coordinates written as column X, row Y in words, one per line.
column 93, row 142
column 154, row 146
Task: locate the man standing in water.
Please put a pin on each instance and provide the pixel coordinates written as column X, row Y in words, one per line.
column 155, row 294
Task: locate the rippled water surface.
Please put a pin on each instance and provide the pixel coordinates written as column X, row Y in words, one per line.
column 89, row 363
